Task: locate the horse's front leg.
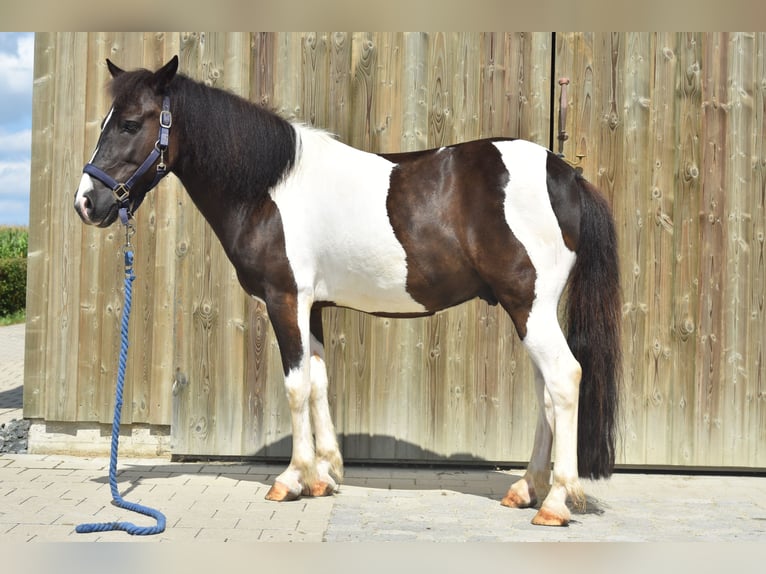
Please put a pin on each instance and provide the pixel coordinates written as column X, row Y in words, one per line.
column 289, row 315
column 329, row 460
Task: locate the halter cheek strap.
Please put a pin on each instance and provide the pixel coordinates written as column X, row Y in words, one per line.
column 121, row 191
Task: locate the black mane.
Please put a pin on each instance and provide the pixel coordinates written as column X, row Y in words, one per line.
column 232, row 143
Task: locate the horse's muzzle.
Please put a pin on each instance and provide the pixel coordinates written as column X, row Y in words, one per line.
column 92, row 211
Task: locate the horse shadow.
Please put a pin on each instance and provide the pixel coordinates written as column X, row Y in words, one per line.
column 381, row 462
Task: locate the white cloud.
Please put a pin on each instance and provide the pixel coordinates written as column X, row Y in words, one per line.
column 14, row 212
column 17, row 69
column 14, row 192
column 14, row 178
column 16, row 78
column 16, row 143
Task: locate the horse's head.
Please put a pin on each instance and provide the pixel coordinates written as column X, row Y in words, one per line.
column 130, row 156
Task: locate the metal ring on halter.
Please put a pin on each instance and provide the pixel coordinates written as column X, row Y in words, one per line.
column 166, row 118
column 121, row 193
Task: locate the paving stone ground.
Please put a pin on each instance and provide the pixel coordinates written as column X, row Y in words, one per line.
column 44, row 497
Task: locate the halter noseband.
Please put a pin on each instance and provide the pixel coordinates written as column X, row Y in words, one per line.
column 121, row 191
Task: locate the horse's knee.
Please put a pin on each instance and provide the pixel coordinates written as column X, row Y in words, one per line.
column 297, row 388
column 318, row 377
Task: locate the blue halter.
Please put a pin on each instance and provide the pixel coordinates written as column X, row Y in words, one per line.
column 121, row 191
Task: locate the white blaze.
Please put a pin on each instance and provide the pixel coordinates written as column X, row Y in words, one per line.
column 86, row 183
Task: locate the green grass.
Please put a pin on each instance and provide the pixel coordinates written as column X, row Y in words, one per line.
column 14, row 242
column 14, row 318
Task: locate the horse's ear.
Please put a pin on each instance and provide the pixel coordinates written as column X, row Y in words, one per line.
column 113, row 68
column 165, row 74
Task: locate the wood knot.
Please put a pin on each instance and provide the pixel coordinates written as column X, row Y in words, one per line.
column 180, row 382
column 205, row 314
column 686, row 328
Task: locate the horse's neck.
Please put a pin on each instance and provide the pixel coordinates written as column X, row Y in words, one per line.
column 320, row 161
column 221, row 184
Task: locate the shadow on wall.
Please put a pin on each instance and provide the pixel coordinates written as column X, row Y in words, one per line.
column 369, row 449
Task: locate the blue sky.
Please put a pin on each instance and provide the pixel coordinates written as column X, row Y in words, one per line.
column 16, row 67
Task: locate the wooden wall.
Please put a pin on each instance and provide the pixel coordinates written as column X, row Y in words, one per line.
column 670, row 126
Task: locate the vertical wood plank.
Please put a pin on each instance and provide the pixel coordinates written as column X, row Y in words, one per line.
column 649, row 287
column 463, row 111
column 96, row 401
column 316, row 70
column 685, row 265
column 739, row 210
column 756, row 351
column 339, row 84
column 40, row 217
column 538, row 109
column 62, row 336
column 712, row 268
column 363, row 63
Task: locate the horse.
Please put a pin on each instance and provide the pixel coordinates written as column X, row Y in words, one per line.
column 309, row 222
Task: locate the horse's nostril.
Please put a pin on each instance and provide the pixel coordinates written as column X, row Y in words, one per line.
column 87, row 203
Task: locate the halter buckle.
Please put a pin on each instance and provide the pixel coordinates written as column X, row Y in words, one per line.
column 166, row 119
column 121, row 193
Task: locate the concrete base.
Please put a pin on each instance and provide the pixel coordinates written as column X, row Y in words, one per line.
column 94, row 439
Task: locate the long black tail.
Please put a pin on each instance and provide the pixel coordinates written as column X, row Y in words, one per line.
column 593, row 312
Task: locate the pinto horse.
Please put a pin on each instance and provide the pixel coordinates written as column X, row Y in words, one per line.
column 309, row 222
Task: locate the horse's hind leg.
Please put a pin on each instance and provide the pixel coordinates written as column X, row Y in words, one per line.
column 536, row 481
column 561, row 375
column 329, row 460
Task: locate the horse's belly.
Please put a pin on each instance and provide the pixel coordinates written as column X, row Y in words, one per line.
column 374, row 281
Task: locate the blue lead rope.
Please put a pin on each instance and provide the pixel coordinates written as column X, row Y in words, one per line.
column 117, row 499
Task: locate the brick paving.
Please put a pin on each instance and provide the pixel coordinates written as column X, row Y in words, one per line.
column 43, row 498
column 11, row 372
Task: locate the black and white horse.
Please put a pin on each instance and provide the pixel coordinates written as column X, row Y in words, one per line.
column 309, row 222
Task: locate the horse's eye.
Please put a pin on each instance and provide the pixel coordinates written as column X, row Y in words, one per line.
column 130, row 127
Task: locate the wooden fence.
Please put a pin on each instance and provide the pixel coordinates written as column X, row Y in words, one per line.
column 670, row 126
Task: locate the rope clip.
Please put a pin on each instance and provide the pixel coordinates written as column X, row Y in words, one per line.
column 130, row 230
